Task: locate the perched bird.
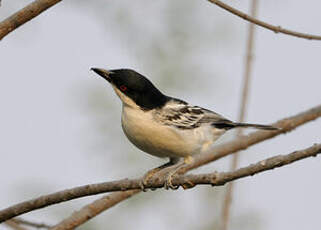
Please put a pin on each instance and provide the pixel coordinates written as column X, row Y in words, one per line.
column 164, row 126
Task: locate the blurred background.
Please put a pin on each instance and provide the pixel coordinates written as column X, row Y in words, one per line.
column 60, row 123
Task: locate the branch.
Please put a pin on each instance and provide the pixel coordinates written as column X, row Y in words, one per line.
column 276, row 29
column 24, row 15
column 188, row 181
column 244, row 103
column 93, row 209
column 242, row 142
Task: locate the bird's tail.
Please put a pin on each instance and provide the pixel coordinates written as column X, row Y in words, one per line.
column 257, row 126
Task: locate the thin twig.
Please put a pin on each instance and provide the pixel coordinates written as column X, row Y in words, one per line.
column 276, row 29
column 24, row 15
column 30, row 223
column 93, row 209
column 243, row 108
column 241, row 143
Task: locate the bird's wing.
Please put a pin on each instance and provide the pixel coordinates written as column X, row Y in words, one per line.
column 185, row 116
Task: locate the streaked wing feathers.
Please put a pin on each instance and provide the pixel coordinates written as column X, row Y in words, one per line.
column 184, row 116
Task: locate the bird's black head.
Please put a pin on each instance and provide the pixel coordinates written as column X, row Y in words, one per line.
column 131, row 86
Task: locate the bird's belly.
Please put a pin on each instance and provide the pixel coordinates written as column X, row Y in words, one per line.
column 156, row 139
column 163, row 140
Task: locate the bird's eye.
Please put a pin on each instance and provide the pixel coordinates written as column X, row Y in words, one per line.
column 123, row 88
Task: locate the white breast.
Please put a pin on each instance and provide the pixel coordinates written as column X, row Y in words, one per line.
column 162, row 140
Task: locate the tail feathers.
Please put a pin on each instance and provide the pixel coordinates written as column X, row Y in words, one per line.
column 257, row 126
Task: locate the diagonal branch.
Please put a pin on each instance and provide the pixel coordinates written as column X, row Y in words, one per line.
column 24, row 15
column 214, row 179
column 241, row 143
column 276, row 29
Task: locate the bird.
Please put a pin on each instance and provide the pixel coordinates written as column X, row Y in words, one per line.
column 165, row 126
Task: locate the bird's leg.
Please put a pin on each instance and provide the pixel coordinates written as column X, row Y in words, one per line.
column 168, row 182
column 151, row 173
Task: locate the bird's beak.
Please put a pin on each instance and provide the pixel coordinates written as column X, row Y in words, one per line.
column 103, row 73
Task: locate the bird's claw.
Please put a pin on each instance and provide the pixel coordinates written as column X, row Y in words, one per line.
column 168, row 182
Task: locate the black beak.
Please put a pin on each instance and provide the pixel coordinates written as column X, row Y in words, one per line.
column 103, row 73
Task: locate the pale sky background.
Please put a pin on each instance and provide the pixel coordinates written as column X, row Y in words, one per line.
column 60, row 124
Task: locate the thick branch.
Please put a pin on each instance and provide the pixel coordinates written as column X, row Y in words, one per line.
column 276, row 29
column 223, row 150
column 24, row 15
column 214, row 179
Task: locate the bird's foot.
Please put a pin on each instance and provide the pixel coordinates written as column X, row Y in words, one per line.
column 168, row 170
column 168, row 182
column 147, row 177
column 154, row 171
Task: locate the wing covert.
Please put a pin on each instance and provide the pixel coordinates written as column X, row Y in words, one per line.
column 185, row 116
